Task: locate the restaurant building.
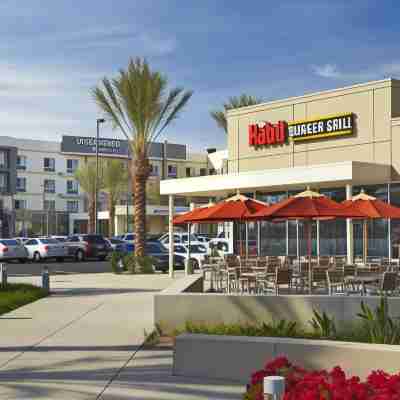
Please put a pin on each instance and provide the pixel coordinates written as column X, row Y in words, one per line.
column 338, row 142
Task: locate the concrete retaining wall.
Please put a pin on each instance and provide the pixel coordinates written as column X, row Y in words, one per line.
column 174, row 306
column 235, row 358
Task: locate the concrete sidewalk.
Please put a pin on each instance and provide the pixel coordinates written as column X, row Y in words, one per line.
column 71, row 344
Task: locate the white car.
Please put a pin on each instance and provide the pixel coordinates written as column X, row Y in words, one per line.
column 182, row 238
column 221, row 245
column 12, row 249
column 45, row 248
column 197, row 253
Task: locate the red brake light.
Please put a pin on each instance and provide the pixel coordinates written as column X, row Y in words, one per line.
column 3, row 248
column 45, row 248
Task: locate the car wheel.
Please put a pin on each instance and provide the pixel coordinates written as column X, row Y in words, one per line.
column 22, row 260
column 79, row 256
column 60, row 259
column 36, row 256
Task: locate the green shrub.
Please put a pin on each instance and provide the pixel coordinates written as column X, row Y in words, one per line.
column 130, row 263
column 323, row 325
column 116, row 261
column 380, row 327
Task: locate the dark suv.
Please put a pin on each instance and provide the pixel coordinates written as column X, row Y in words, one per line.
column 160, row 256
column 87, row 246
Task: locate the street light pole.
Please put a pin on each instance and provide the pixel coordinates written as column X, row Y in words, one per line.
column 96, row 220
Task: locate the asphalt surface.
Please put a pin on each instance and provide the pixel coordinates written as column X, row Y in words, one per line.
column 67, row 267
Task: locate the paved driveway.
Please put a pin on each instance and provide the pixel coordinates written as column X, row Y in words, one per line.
column 83, row 342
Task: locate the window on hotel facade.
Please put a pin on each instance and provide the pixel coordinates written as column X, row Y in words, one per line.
column 49, row 205
column 20, row 204
column 3, row 182
column 154, row 170
column 72, row 166
column 49, row 186
column 3, row 159
column 378, row 229
column 72, row 187
column 188, row 172
column 21, row 162
column 203, row 171
column 49, row 164
column 73, row 206
column 172, row 171
column 21, row 184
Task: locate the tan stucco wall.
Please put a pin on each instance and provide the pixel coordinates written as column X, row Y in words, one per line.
column 374, row 105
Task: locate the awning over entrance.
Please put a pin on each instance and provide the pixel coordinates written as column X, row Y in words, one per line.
column 323, row 175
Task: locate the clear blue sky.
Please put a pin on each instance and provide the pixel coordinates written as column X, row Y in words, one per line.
column 53, row 51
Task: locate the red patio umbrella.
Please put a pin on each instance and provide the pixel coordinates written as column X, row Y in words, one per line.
column 187, row 217
column 308, row 206
column 372, row 208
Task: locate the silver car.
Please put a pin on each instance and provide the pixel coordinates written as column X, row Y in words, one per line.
column 45, row 248
column 11, row 249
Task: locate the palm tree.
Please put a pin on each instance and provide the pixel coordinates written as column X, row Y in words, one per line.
column 233, row 102
column 115, row 180
column 138, row 103
column 86, row 176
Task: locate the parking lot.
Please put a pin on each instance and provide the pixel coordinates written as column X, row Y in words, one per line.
column 29, row 268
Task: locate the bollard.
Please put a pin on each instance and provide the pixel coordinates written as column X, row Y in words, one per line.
column 46, row 279
column 274, row 387
column 4, row 275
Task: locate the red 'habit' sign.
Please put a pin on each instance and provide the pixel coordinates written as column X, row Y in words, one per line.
column 267, row 134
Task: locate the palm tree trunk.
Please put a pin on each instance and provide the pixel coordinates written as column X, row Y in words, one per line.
column 91, row 212
column 140, row 174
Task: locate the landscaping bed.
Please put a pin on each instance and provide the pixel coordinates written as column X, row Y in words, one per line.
column 16, row 295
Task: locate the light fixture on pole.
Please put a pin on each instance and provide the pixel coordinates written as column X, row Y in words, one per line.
column 96, row 221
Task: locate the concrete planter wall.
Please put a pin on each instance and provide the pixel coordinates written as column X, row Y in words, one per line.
column 235, row 357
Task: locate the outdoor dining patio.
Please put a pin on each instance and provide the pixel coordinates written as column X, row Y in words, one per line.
column 289, row 275
column 245, row 273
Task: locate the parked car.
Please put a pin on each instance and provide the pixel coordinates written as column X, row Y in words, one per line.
column 181, row 238
column 21, row 240
column 60, row 239
column 128, row 237
column 118, row 245
column 203, row 239
column 41, row 248
column 160, row 256
column 12, row 249
column 197, row 253
column 86, row 246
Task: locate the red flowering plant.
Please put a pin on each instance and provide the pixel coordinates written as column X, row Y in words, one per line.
column 301, row 384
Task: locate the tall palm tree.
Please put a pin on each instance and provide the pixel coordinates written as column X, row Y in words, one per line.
column 115, row 180
column 86, row 176
column 138, row 103
column 233, row 102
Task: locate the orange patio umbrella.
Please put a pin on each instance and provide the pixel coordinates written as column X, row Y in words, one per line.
column 307, row 206
column 372, row 208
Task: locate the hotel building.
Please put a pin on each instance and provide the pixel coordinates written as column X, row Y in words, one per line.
column 338, row 142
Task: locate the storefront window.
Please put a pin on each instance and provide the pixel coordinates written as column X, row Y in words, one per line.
column 332, row 233
column 378, row 229
column 395, row 223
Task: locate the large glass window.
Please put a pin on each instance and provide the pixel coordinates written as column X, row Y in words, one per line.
column 378, row 229
column 20, row 204
column 49, row 205
column 73, row 206
column 72, row 187
column 172, row 171
column 3, row 182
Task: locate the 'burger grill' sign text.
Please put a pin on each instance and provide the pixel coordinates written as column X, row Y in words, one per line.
column 330, row 126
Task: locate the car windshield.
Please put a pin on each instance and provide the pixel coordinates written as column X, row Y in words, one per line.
column 61, row 240
column 49, row 241
column 9, row 242
column 130, row 236
column 197, row 248
column 93, row 239
column 193, row 238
